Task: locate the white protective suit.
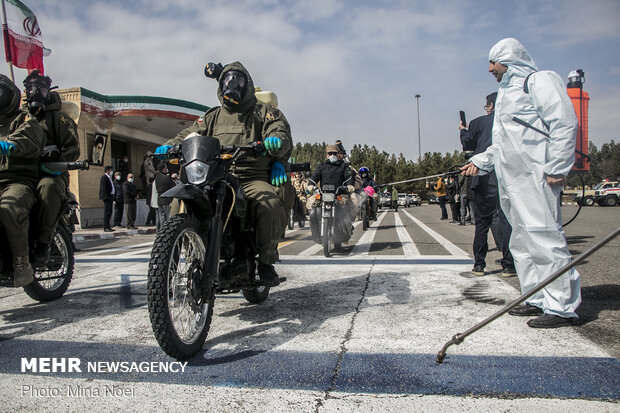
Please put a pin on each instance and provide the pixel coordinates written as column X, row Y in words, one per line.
column 522, row 158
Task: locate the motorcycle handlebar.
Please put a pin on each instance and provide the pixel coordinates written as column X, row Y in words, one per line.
column 67, row 166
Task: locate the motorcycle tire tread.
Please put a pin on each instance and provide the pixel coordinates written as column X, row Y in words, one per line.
column 165, row 333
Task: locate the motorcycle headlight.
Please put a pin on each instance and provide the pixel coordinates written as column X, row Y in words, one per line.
column 196, row 172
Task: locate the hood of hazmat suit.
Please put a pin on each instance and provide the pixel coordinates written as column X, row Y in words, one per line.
column 522, row 158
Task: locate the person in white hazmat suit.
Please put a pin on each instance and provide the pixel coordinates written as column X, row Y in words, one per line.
column 531, row 170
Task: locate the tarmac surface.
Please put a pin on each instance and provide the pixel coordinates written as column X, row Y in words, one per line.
column 355, row 332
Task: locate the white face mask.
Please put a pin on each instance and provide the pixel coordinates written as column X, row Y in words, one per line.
column 333, row 158
column 118, row 178
column 130, row 179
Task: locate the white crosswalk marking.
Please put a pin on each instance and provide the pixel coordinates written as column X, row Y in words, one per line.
column 453, row 249
column 409, row 248
column 363, row 244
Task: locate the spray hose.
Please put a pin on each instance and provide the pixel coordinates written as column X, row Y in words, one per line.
column 459, row 337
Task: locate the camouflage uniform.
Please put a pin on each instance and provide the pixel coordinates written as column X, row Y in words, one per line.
column 250, row 122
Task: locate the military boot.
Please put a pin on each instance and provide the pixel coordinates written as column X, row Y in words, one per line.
column 268, row 275
column 41, row 255
column 22, row 271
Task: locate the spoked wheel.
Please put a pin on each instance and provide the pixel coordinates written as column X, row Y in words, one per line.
column 180, row 314
column 51, row 282
column 326, row 237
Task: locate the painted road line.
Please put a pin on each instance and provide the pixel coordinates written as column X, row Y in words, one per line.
column 453, row 249
column 363, row 244
column 409, row 248
column 109, row 250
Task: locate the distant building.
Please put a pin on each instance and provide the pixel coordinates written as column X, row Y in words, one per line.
column 111, row 127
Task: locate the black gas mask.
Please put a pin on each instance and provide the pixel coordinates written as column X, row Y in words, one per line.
column 233, row 85
column 37, row 91
column 9, row 96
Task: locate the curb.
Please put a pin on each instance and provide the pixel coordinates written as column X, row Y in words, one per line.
column 108, row 235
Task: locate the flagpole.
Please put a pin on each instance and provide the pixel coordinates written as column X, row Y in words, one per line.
column 5, row 29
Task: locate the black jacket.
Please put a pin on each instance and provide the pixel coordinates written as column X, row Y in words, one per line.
column 478, row 138
column 129, row 192
column 337, row 174
column 118, row 191
column 105, row 188
column 163, row 183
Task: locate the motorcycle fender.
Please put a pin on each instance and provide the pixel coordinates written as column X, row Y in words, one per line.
column 191, row 194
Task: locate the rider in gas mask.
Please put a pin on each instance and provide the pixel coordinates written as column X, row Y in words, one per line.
column 21, row 143
column 61, row 131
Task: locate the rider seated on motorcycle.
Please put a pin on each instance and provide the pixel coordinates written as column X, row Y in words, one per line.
column 61, row 131
column 300, row 183
column 242, row 120
column 335, row 172
column 21, row 144
column 368, row 181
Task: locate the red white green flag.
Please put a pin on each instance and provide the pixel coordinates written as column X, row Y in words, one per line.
column 22, row 36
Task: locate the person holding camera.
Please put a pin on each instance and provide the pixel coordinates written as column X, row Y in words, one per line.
column 477, row 137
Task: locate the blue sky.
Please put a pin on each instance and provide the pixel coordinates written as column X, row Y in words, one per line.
column 341, row 69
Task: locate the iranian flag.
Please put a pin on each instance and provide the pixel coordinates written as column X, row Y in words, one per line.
column 22, row 36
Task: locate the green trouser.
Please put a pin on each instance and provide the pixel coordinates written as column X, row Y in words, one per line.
column 51, row 194
column 286, row 192
column 269, row 217
column 16, row 201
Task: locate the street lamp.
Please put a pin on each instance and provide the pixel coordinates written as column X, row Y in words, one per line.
column 417, row 98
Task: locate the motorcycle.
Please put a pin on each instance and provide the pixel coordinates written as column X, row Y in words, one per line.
column 331, row 217
column 51, row 280
column 298, row 214
column 208, row 248
column 366, row 207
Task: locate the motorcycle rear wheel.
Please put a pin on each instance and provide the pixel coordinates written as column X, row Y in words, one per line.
column 180, row 315
column 51, row 282
column 291, row 221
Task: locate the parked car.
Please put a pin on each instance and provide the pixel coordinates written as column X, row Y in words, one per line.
column 414, row 199
column 402, row 200
column 385, row 201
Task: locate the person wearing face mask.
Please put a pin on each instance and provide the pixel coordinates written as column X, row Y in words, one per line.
column 239, row 121
column 21, row 143
column 60, row 131
column 130, row 195
column 334, row 171
column 531, row 169
column 119, row 201
column 106, row 194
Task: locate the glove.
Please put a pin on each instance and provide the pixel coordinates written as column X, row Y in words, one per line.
column 278, row 174
column 48, row 171
column 6, row 148
column 273, row 144
column 162, row 150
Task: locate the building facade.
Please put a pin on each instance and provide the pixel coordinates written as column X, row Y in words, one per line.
column 112, row 127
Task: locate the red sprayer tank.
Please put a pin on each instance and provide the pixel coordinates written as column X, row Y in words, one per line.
column 580, row 99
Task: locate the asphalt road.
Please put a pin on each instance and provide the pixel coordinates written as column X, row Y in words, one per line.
column 358, row 331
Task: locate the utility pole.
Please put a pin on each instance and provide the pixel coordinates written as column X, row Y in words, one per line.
column 417, row 98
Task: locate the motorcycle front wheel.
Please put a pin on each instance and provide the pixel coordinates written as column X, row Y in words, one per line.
column 179, row 312
column 326, row 237
column 51, row 282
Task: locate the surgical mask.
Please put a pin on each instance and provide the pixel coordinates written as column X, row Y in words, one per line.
column 233, row 86
column 130, row 179
column 333, row 158
column 118, row 178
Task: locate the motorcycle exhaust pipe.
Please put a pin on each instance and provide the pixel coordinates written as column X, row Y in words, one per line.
column 459, row 337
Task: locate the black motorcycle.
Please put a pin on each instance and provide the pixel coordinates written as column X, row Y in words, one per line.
column 208, row 248
column 51, row 280
column 330, row 221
